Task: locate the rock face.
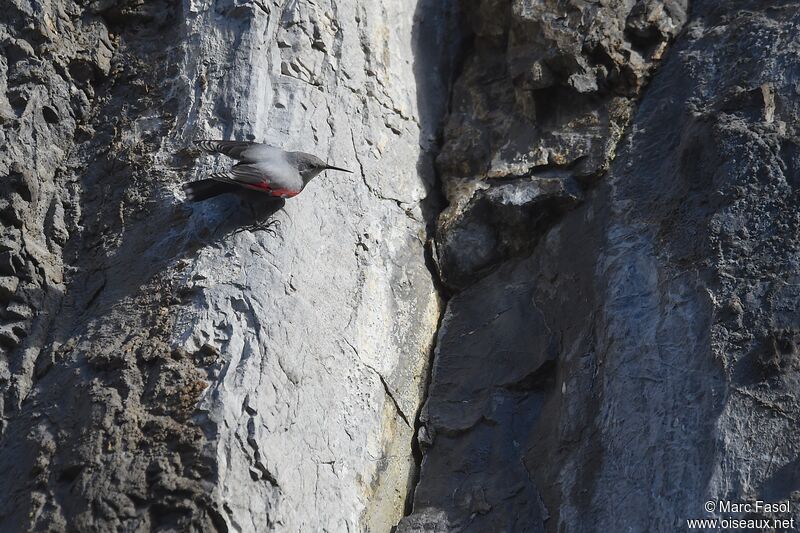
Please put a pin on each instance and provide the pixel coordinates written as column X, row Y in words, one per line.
column 47, row 74
column 544, row 96
column 614, row 222
column 642, row 359
column 162, row 369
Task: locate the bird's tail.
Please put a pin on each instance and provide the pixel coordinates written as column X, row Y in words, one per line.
column 197, row 191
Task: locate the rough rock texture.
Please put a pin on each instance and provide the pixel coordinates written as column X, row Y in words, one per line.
column 47, row 74
column 162, row 369
column 545, row 93
column 619, row 242
column 643, row 359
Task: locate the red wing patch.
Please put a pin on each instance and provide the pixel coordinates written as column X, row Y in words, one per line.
column 278, row 193
column 284, row 193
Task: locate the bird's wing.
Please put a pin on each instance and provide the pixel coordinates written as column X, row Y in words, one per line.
column 241, row 150
column 276, row 174
column 247, row 173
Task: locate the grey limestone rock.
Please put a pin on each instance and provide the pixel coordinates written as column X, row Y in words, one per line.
column 642, row 359
column 573, row 223
column 161, row 369
column 547, row 88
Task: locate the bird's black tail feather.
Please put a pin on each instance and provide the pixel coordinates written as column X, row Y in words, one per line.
column 197, row 191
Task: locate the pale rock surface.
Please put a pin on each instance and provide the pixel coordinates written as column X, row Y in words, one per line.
column 165, row 370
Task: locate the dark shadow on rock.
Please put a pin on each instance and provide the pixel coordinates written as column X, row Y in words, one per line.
column 103, row 372
column 212, row 221
column 119, row 288
column 437, row 41
column 165, row 232
column 782, row 483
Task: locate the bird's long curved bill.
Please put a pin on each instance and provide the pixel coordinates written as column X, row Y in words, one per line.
column 339, row 169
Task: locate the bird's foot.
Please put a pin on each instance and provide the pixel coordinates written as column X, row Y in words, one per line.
column 266, row 225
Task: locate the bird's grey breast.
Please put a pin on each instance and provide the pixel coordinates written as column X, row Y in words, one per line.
column 274, row 164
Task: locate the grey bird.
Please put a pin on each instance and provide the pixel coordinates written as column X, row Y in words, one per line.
column 260, row 167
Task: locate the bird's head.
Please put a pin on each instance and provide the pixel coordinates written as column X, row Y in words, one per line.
column 309, row 165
